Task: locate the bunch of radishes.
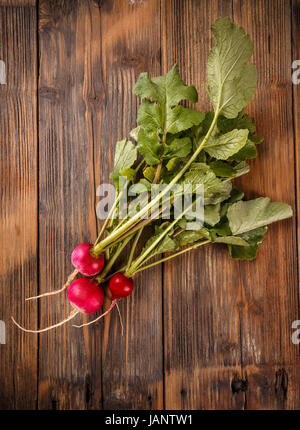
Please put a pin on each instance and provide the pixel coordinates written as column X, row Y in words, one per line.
column 85, row 294
column 180, row 147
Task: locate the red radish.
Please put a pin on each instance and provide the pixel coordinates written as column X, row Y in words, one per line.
column 85, row 262
column 120, row 286
column 85, row 295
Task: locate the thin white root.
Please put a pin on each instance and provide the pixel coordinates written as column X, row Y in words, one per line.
column 72, row 315
column 113, row 303
column 120, row 318
column 51, row 293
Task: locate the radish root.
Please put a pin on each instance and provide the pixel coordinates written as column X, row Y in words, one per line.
column 72, row 315
column 120, row 318
column 66, row 285
column 113, row 303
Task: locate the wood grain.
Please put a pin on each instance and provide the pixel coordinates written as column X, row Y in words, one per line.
column 202, row 332
column 235, row 310
column 296, row 111
column 202, row 312
column 19, row 193
column 133, row 364
column 269, row 285
column 86, row 104
column 68, row 60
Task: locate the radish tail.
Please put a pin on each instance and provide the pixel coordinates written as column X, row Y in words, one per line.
column 120, row 318
column 72, row 315
column 113, row 303
column 67, row 284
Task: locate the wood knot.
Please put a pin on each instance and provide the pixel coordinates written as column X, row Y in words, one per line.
column 238, row 384
column 281, row 384
column 136, row 62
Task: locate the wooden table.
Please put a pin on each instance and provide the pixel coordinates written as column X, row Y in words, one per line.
column 204, row 332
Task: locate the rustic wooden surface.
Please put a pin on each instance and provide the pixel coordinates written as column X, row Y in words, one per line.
column 203, row 333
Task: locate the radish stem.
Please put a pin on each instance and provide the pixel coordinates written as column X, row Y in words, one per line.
column 110, row 214
column 162, row 260
column 113, row 259
column 131, row 255
column 141, row 259
column 120, row 231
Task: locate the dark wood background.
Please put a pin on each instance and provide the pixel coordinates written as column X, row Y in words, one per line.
column 204, row 332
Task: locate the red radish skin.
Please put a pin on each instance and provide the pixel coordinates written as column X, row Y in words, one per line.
column 86, row 295
column 85, row 262
column 120, row 286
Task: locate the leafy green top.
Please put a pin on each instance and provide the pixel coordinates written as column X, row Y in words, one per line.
column 179, row 144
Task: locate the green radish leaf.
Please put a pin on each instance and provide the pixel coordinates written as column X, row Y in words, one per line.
column 125, row 157
column 173, row 164
column 226, row 170
column 246, row 216
column 243, row 252
column 181, row 118
column 256, row 236
column 206, row 123
column 164, row 117
column 149, row 146
column 248, row 152
column 150, row 116
column 222, row 228
column 175, row 89
column 253, row 238
column 191, row 236
column 145, row 88
column 134, row 133
column 220, row 196
column 231, row 240
column 241, row 169
column 235, row 195
column 222, row 169
column 215, row 190
column 200, row 173
column 212, row 214
column 192, row 225
column 231, row 82
column 129, row 173
column 256, row 139
column 149, row 173
column 167, row 244
column 241, row 121
column 179, row 147
column 223, row 146
column 167, row 90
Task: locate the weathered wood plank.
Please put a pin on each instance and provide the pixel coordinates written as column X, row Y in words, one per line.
column 296, row 106
column 69, row 71
column 201, row 301
column 19, row 192
column 268, row 287
column 132, row 365
column 227, row 333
